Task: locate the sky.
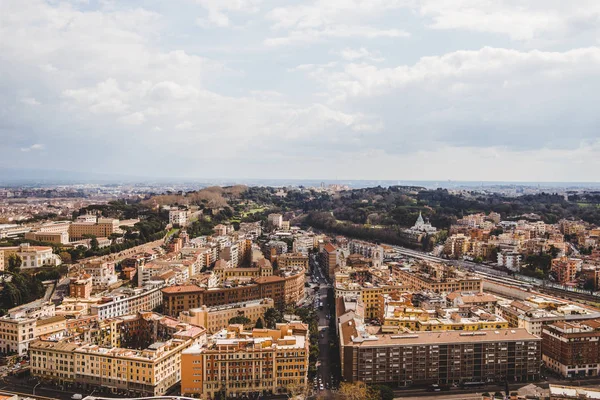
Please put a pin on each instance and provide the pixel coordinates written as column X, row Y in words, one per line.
column 476, row 90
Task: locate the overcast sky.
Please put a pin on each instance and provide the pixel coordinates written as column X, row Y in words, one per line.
column 346, row 89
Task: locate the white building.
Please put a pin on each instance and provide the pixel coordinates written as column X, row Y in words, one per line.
column 128, row 301
column 102, row 273
column 34, row 256
column 275, row 220
column 509, row 260
column 178, row 217
column 18, row 327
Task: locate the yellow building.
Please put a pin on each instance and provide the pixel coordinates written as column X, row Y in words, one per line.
column 216, row 318
column 293, row 260
column 237, row 363
column 103, row 228
column 436, row 278
column 149, row 372
column 97, row 360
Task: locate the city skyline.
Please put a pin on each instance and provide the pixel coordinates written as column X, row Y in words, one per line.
column 250, row 89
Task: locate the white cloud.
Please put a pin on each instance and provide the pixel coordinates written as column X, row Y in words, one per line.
column 30, row 101
column 466, row 71
column 136, row 118
column 218, row 11
column 350, row 54
column 325, row 19
column 185, row 125
column 520, row 20
column 33, row 147
column 105, row 72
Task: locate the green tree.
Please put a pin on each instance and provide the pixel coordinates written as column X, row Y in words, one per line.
column 14, row 263
column 589, row 285
column 94, row 244
column 240, row 319
column 385, row 392
column 272, row 317
column 259, row 324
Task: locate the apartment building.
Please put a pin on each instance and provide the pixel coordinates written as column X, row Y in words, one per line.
column 236, row 363
column 81, row 287
column 572, row 348
column 217, row 318
column 124, row 301
column 367, row 250
column 275, row 220
column 436, row 278
column 509, row 260
column 329, row 259
column 293, row 260
column 16, row 333
column 282, row 289
column 178, row 217
column 566, row 268
column 102, row 273
column 138, row 354
column 369, row 294
column 149, row 372
column 438, row 357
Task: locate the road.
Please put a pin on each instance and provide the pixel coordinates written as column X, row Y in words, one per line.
column 323, row 380
column 489, row 270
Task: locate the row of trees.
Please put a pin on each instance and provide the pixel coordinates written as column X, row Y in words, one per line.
column 19, row 287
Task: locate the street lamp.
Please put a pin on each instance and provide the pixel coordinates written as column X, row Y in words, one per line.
column 38, row 384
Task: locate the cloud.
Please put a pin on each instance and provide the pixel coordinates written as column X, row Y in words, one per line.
column 218, row 11
column 112, row 75
column 136, row 118
column 33, row 147
column 488, row 97
column 349, row 54
column 524, row 21
column 30, row 101
column 326, row 19
column 185, row 125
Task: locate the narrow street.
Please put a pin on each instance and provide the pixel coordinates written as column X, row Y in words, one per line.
column 323, row 380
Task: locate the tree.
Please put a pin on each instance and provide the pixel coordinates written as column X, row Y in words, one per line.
column 589, row 285
column 65, row 257
column 14, row 263
column 240, row 319
column 356, row 391
column 385, row 392
column 94, row 244
column 259, row 324
column 272, row 317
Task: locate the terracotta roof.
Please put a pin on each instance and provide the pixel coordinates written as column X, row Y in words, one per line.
column 268, row 279
column 329, row 248
column 183, row 289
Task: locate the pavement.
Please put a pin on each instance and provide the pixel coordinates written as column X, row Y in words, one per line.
column 324, row 369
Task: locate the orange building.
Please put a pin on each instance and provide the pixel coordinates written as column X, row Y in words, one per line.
column 236, row 363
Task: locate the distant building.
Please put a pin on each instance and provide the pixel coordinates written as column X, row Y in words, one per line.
column 32, row 256
column 217, row 318
column 566, row 268
column 329, row 259
column 275, row 220
column 48, row 237
column 103, row 227
column 509, row 260
column 178, row 217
